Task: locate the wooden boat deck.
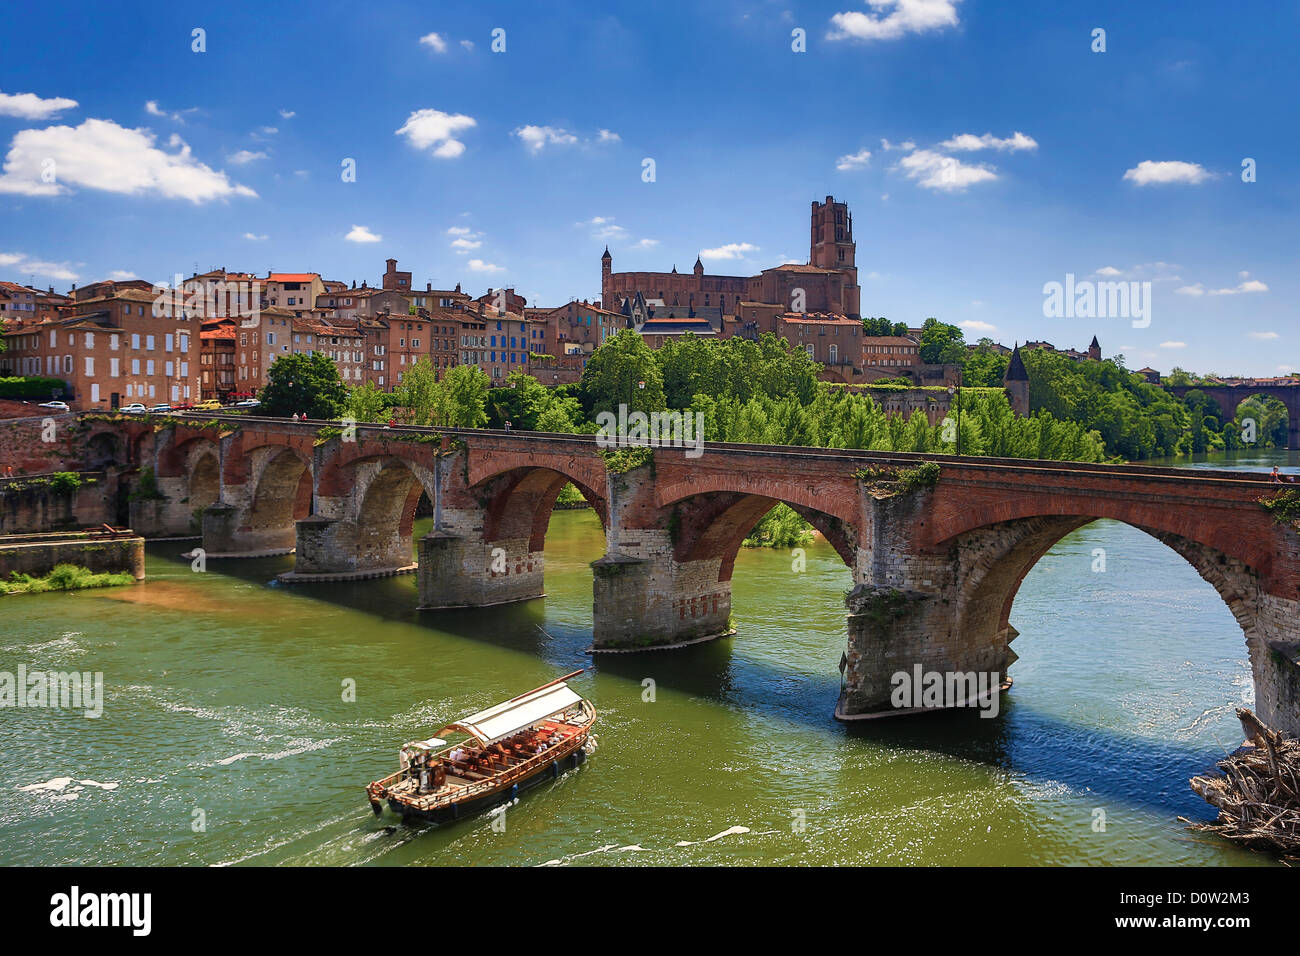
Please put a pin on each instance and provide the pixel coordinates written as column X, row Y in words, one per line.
column 561, row 736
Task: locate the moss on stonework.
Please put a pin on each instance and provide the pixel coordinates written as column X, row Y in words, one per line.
column 1284, row 506
column 881, row 606
column 619, row 461
column 900, row 481
column 60, row 483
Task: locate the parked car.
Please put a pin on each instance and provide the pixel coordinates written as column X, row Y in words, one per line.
column 160, row 409
column 207, row 405
column 247, row 403
column 58, row 406
column 135, row 408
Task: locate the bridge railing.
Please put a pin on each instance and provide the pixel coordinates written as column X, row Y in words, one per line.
column 790, row 451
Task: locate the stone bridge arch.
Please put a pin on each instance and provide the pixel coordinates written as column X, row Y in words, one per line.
column 266, row 488
column 365, row 514
column 493, row 511
column 954, row 588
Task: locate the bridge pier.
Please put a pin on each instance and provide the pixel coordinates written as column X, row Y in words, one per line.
column 643, row 598
column 465, row 571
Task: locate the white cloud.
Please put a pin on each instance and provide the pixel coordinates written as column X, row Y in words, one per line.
column 459, row 231
column 434, row 42
column 899, row 18
column 101, row 155
column 732, row 250
column 935, row 171
column 362, row 234
column 287, row 114
column 254, row 237
column 1263, row 335
column 176, row 116
column 1148, row 173
column 466, row 245
column 32, row 107
column 425, row 128
column 1173, row 345
column 603, row 227
column 467, row 44
column 122, row 275
column 1152, row 271
column 857, row 160
column 906, row 144
column 1246, row 286
column 478, row 265
column 969, row 142
column 23, row 265
column 536, row 137
column 645, row 244
column 268, row 130
column 608, row 136
column 244, row 156
column 977, row 325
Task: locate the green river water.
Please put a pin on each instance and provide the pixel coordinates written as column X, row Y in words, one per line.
column 226, row 739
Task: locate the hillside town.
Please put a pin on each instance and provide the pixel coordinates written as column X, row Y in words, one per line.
column 211, row 337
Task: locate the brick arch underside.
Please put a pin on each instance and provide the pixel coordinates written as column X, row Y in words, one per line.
column 520, row 502
column 204, row 471
column 386, row 514
column 992, row 562
column 282, row 491
column 714, row 525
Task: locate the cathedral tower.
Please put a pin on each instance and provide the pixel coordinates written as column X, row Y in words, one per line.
column 833, row 247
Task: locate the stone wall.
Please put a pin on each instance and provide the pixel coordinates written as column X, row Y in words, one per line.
column 38, row 554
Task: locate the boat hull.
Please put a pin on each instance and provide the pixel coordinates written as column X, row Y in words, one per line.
column 448, row 813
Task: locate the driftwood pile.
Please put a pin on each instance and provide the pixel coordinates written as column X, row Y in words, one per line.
column 1259, row 796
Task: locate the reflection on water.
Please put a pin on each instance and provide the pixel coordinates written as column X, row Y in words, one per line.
column 227, row 731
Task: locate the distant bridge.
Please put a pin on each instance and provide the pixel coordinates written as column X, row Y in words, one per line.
column 1228, row 397
column 936, row 569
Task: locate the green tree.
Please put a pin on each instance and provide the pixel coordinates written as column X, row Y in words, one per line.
column 366, row 403
column 463, row 403
column 420, row 393
column 941, row 343
column 303, row 384
column 883, row 327
column 615, row 373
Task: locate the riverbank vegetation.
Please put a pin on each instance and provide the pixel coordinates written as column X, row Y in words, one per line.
column 63, row 577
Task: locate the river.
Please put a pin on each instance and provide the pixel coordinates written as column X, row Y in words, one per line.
column 226, row 737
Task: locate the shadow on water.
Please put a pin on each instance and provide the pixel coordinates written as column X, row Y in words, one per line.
column 1029, row 744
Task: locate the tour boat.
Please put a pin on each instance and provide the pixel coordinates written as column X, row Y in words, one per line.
column 500, row 751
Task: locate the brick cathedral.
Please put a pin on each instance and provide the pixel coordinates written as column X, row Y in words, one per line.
column 827, row 284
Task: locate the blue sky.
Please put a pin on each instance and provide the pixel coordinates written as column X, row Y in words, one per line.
column 1004, row 153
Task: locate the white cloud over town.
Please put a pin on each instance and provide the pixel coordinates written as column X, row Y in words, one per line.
column 437, row 131
column 29, row 106
column 101, row 155
column 892, row 19
column 1167, row 172
column 362, row 234
column 933, row 170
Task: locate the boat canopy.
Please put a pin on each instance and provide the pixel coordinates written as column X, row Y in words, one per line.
column 433, row 743
column 502, row 720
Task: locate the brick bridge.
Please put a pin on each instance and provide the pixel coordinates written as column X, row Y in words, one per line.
column 936, row 569
column 1228, row 397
